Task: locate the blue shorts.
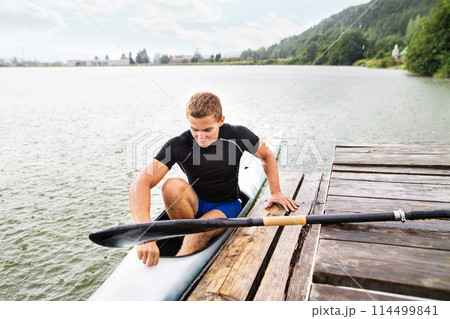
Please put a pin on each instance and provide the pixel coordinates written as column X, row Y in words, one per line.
column 230, row 209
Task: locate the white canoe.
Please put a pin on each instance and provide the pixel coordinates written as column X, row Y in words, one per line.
column 174, row 277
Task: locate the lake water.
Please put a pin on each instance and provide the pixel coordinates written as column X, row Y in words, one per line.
column 73, row 140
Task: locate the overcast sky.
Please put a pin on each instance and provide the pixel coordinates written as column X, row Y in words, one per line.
column 49, row 30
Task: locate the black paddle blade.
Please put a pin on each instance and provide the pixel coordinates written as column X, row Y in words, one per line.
column 126, row 236
column 135, row 234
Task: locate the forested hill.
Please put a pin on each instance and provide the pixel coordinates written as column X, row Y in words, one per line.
column 386, row 23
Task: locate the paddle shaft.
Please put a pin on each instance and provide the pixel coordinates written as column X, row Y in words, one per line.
column 353, row 218
column 133, row 234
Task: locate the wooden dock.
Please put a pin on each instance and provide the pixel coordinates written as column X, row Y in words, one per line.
column 365, row 261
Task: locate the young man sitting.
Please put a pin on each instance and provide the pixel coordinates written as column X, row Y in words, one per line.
column 209, row 153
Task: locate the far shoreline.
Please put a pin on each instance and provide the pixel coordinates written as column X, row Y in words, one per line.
column 237, row 63
column 364, row 63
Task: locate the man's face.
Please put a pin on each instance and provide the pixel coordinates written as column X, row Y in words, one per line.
column 205, row 129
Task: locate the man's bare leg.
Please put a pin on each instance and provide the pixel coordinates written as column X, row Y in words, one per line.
column 195, row 242
column 180, row 199
column 181, row 202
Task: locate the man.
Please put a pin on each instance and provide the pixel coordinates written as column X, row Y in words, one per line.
column 209, row 154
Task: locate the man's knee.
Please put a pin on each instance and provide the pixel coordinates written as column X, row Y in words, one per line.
column 173, row 188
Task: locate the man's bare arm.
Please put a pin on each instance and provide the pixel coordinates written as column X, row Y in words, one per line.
column 140, row 201
column 271, row 170
column 140, row 205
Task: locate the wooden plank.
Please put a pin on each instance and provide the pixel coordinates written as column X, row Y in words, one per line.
column 438, row 160
column 392, row 178
column 302, row 272
column 426, row 192
column 345, row 205
column 416, row 225
column 391, row 145
column 320, row 292
column 362, row 204
column 391, row 169
column 233, row 273
column 276, row 276
column 402, row 270
column 367, row 233
column 397, row 149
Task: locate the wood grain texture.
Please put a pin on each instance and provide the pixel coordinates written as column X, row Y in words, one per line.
column 367, row 233
column 396, row 149
column 393, row 159
column 273, row 284
column 364, row 204
column 233, row 273
column 427, row 192
column 392, row 178
column 395, row 269
column 345, row 205
column 321, row 292
column 392, row 145
column 302, row 273
column 399, row 170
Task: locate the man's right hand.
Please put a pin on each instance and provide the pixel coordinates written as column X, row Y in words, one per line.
column 148, row 253
column 140, row 201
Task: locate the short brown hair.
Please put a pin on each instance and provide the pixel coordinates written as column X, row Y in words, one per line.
column 204, row 104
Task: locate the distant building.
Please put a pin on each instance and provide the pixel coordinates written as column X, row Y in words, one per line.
column 96, row 62
column 180, row 58
column 157, row 58
column 399, row 56
column 6, row 62
column 395, row 52
column 402, row 55
column 15, row 62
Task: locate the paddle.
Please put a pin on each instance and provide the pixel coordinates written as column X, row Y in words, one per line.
column 134, row 234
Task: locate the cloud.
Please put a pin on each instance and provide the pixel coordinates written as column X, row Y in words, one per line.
column 188, row 11
column 253, row 33
column 164, row 27
column 261, row 32
column 25, row 18
column 81, row 7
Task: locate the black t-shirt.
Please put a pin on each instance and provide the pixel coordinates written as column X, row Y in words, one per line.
column 212, row 171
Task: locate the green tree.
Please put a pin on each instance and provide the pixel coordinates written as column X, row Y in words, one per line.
column 348, row 49
column 310, row 53
column 261, row 54
column 412, row 28
column 197, row 57
column 247, row 54
column 429, row 49
column 142, row 57
column 218, row 57
column 165, row 59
